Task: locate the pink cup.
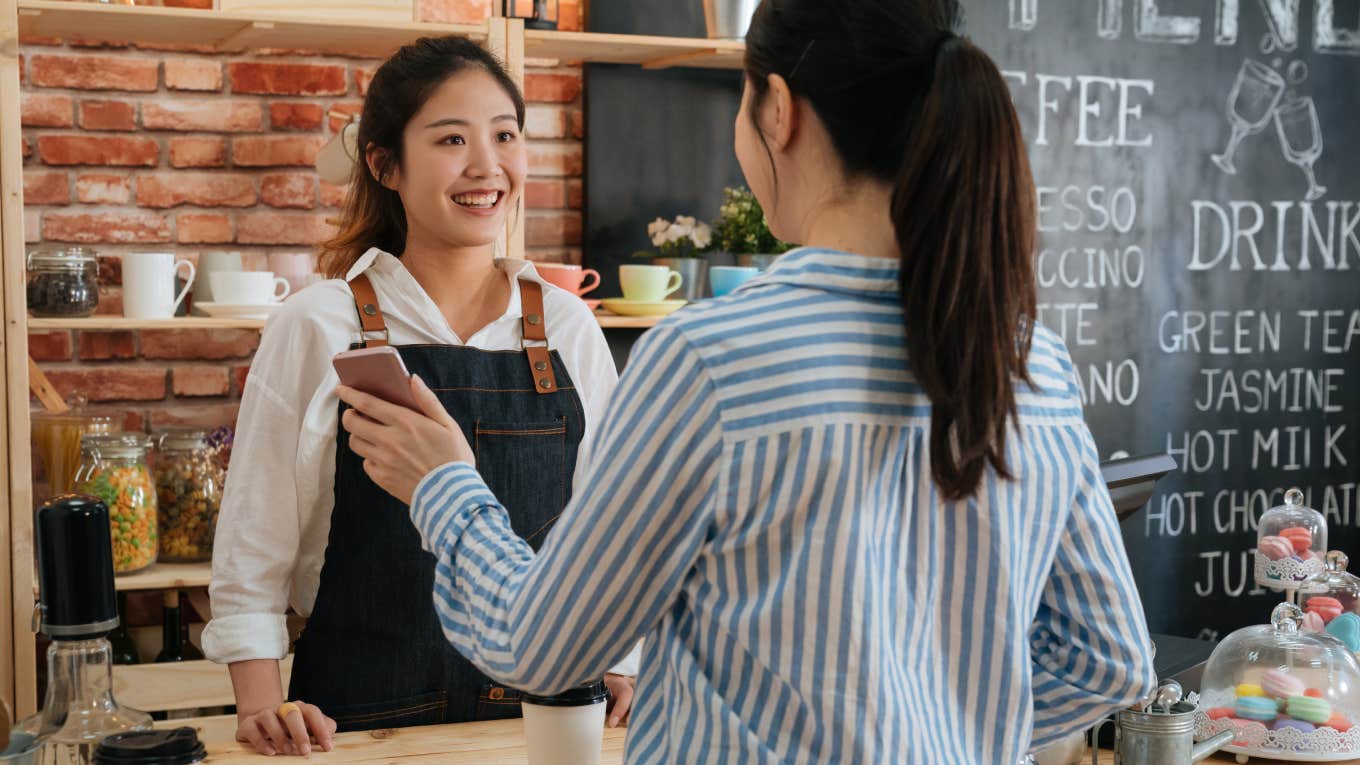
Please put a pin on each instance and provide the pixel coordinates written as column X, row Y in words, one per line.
column 570, row 278
column 296, row 268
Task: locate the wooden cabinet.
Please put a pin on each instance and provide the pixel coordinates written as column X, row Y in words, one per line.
column 198, row 683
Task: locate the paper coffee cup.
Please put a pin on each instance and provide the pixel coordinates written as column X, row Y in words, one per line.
column 566, row 729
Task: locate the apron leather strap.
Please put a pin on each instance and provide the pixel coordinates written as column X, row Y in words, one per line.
column 370, row 315
column 535, row 329
column 531, row 301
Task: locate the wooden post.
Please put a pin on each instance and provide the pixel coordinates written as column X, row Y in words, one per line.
column 18, row 671
column 505, row 38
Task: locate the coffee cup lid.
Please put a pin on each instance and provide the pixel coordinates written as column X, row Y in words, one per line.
column 151, row 747
column 584, row 696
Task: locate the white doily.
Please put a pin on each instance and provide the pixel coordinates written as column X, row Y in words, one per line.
column 1255, row 737
column 1270, row 571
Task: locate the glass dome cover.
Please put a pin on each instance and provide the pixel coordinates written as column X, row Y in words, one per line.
column 1291, row 542
column 1288, row 694
column 1331, row 602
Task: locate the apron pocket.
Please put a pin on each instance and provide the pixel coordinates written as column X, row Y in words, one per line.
column 425, row 709
column 496, row 702
column 525, row 466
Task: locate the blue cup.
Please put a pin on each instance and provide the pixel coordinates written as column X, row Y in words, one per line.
column 727, row 278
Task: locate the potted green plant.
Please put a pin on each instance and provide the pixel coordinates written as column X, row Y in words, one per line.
column 680, row 245
column 742, row 231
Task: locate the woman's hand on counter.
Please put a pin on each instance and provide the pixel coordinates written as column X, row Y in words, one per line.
column 270, row 735
column 399, row 446
column 621, row 689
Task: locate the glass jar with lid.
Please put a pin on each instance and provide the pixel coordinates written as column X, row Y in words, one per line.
column 189, row 480
column 115, row 469
column 1331, row 601
column 1291, row 541
column 63, row 283
column 56, row 441
column 1287, row 694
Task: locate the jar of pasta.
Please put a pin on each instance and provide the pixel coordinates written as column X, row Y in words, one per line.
column 114, row 468
column 56, row 441
column 189, row 479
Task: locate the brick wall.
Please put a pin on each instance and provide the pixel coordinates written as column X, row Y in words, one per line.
column 130, row 147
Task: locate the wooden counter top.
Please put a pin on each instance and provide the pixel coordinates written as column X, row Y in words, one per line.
column 1221, row 758
column 490, row 743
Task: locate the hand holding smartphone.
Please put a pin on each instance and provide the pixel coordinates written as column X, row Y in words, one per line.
column 377, row 372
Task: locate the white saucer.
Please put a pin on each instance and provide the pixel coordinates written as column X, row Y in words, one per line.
column 625, row 307
column 226, row 311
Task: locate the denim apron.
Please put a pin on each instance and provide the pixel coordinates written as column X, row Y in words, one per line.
column 372, row 654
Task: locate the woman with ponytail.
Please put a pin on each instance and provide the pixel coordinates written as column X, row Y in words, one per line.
column 854, row 506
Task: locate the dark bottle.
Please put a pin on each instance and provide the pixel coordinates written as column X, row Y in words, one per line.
column 175, row 645
column 124, row 650
column 187, row 647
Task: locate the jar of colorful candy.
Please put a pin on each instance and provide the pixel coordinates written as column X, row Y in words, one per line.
column 114, row 468
column 1291, row 541
column 1286, row 693
column 189, row 480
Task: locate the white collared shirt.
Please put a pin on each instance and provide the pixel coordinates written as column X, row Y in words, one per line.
column 276, row 511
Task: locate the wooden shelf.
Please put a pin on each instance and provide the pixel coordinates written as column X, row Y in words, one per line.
column 166, row 576
column 223, row 30
column 118, row 323
column 650, row 52
column 184, row 685
column 611, row 321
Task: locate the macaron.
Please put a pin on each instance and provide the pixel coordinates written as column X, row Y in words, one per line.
column 1240, row 727
column 1338, row 721
column 1298, row 725
column 1327, row 607
column 1281, row 684
column 1309, row 709
column 1313, row 623
column 1275, row 548
column 1312, row 692
column 1299, row 537
column 1257, row 708
column 1346, row 628
column 1219, row 713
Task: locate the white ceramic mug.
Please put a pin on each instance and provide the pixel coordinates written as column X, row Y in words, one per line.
column 335, row 162
column 149, row 284
column 649, row 284
column 249, row 288
column 210, row 263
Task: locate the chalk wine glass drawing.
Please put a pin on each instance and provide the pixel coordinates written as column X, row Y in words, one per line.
column 1251, row 104
column 1296, row 121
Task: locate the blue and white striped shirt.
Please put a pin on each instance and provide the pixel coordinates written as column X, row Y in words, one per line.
column 760, row 508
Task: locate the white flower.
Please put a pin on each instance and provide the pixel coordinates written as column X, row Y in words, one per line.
column 659, row 238
column 656, row 227
column 675, row 234
column 703, row 235
column 687, row 221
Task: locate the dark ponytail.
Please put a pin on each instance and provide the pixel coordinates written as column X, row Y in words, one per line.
column 907, row 102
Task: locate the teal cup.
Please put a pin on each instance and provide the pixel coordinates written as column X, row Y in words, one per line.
column 725, row 279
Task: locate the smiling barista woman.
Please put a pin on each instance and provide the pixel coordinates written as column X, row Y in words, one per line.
column 301, row 523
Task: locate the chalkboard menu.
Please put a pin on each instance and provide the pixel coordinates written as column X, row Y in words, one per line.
column 1199, row 207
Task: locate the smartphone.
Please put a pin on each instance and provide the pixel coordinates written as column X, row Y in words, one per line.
column 377, row 372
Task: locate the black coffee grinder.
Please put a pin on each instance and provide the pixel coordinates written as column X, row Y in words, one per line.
column 77, row 610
